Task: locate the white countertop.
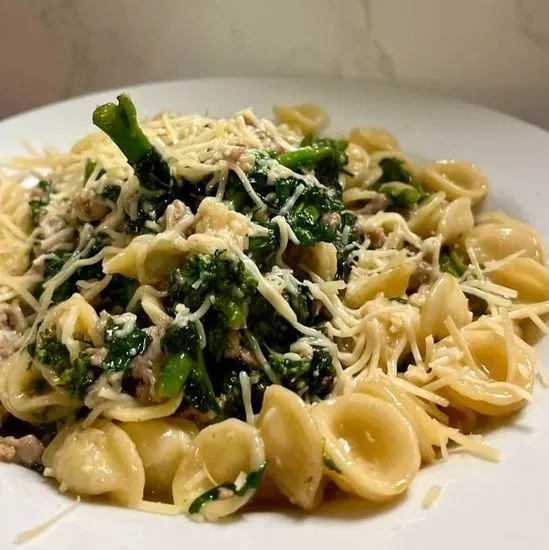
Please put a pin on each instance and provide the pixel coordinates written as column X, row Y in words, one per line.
column 491, row 52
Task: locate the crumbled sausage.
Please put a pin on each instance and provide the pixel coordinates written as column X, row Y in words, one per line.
column 232, row 350
column 333, row 220
column 141, row 368
column 87, row 208
column 248, row 358
column 26, row 450
column 377, row 237
column 377, row 204
column 421, row 275
column 97, row 355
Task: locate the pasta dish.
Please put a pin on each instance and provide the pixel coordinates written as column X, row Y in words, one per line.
column 198, row 313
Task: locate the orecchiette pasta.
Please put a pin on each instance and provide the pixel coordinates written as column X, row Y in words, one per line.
column 495, row 385
column 293, row 447
column 457, row 179
column 496, row 239
column 162, row 445
column 305, row 118
column 372, row 445
column 99, row 460
column 374, row 139
column 445, row 299
column 243, row 456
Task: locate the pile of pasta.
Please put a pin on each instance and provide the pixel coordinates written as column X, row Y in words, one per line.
column 416, row 364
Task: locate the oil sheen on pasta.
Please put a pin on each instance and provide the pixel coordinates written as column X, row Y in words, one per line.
column 198, row 313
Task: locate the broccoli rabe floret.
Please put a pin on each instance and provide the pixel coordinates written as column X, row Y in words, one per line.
column 38, row 206
column 76, row 376
column 306, row 217
column 55, row 261
column 327, row 157
column 228, row 388
column 215, row 275
column 229, row 286
column 262, row 248
column 312, row 377
column 123, row 349
column 399, row 185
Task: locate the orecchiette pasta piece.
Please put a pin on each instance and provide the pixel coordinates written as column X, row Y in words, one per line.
column 135, row 411
column 424, row 220
column 99, row 460
column 148, row 258
column 357, row 165
column 496, row 239
column 322, row 259
column 74, row 319
column 19, row 378
column 228, row 453
column 445, row 299
column 435, row 216
column 456, row 220
column 424, row 426
column 457, row 179
column 529, row 278
column 215, row 218
column 392, row 282
column 161, row 444
column 307, row 118
column 373, row 446
column 494, row 392
column 293, row 446
column 374, row 139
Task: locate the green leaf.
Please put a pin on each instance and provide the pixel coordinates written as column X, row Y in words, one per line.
column 122, row 350
column 330, row 464
column 253, row 481
column 451, row 262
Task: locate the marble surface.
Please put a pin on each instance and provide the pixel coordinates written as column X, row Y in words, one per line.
column 491, row 52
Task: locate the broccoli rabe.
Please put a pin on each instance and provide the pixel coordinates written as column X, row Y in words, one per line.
column 123, row 349
column 327, row 157
column 313, row 377
column 119, row 291
column 227, row 386
column 399, row 185
column 346, row 242
column 305, row 218
column 229, row 286
column 185, row 370
column 451, row 262
column 76, row 376
column 89, row 167
column 38, row 206
column 55, row 261
column 253, row 481
column 262, row 248
column 120, row 123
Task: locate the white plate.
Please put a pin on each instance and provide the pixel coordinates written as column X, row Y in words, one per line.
column 482, row 505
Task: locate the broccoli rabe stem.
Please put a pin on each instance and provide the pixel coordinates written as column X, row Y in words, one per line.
column 173, row 375
column 305, row 156
column 120, row 123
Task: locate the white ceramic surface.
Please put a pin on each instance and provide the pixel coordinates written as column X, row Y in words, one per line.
column 482, row 505
column 491, row 52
